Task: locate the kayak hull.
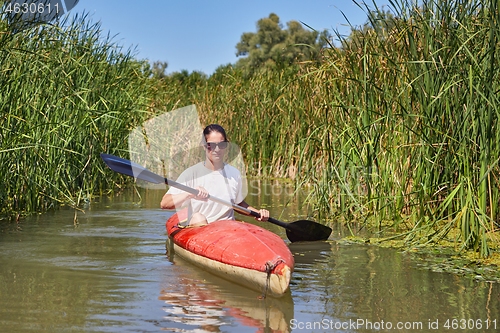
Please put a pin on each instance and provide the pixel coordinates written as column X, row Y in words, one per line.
column 236, row 251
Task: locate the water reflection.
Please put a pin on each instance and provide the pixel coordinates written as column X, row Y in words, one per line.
column 201, row 302
column 111, row 273
column 371, row 287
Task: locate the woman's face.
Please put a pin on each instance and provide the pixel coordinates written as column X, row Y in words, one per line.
column 214, row 154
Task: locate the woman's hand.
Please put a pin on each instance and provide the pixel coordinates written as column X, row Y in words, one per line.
column 264, row 215
column 202, row 194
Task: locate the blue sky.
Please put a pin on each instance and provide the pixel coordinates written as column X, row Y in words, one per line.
column 202, row 35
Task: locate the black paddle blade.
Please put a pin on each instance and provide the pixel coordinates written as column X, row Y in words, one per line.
column 131, row 169
column 307, row 231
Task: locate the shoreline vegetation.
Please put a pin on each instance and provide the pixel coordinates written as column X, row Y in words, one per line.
column 64, row 94
column 396, row 128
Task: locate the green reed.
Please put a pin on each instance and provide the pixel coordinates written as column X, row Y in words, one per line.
column 419, row 121
column 67, row 94
column 397, row 127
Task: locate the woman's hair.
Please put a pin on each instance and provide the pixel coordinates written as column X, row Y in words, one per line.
column 214, row 128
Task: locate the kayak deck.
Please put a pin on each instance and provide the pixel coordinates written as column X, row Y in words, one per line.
column 240, row 252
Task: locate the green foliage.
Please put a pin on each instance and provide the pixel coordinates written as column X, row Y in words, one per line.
column 272, row 46
column 67, row 95
column 397, row 128
column 158, row 69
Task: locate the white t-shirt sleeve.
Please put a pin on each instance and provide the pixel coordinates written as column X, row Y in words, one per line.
column 185, row 178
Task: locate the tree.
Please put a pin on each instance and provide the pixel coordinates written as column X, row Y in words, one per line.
column 189, row 79
column 159, row 69
column 379, row 22
column 272, row 46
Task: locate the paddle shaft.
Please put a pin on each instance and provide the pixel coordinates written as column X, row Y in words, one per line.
column 302, row 230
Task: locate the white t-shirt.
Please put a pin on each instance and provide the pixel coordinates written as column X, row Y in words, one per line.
column 225, row 184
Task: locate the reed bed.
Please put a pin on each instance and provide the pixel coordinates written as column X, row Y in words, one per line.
column 397, row 128
column 68, row 93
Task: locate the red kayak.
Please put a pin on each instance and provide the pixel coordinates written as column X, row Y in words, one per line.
column 240, row 252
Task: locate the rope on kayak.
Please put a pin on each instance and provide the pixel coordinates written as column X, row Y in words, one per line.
column 269, row 269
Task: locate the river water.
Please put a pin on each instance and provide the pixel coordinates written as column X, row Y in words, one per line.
column 109, row 272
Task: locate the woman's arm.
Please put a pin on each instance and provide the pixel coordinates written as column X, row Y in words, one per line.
column 171, row 201
column 264, row 213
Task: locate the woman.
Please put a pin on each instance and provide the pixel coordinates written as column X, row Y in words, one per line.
column 213, row 177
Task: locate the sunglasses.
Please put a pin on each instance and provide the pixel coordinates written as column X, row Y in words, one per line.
column 214, row 145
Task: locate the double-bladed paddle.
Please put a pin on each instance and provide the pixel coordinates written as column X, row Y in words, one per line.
column 302, row 230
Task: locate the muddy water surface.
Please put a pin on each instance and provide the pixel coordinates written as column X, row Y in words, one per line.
column 111, row 273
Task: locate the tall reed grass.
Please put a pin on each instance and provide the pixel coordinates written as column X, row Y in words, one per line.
column 68, row 93
column 398, row 126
